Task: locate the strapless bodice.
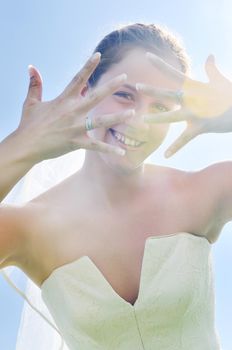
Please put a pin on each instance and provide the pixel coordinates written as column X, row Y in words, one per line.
column 174, row 309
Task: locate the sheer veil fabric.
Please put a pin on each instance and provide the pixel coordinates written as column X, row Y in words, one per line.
column 37, row 328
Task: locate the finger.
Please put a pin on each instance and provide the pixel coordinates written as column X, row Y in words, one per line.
column 96, row 145
column 106, row 120
column 35, row 86
column 166, row 68
column 183, row 139
column 98, row 94
column 158, row 92
column 168, row 117
column 81, row 78
column 211, row 69
column 111, row 119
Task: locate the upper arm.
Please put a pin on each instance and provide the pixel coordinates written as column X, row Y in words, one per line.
column 218, row 180
column 12, row 234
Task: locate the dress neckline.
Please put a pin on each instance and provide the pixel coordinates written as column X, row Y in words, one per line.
column 76, row 261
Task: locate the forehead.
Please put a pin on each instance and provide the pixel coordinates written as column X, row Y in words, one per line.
column 139, row 69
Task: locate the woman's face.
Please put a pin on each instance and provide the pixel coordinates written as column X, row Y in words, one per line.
column 138, row 69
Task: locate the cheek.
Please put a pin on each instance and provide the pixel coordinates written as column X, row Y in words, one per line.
column 98, row 133
column 158, row 132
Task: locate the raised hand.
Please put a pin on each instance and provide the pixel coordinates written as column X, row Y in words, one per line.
column 56, row 127
column 206, row 107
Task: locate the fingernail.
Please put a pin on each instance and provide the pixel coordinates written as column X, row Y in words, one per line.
column 211, row 59
column 30, row 70
column 139, row 86
column 120, row 151
column 150, row 55
column 95, row 56
column 121, row 78
column 168, row 154
column 130, row 113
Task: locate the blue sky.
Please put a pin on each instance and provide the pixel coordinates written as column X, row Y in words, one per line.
column 57, row 37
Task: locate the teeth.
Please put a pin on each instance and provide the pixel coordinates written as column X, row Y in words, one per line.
column 126, row 140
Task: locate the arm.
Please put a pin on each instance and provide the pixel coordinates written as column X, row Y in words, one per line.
column 216, row 192
column 16, row 159
column 12, row 234
column 220, row 176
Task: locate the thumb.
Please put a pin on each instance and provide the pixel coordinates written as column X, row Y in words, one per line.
column 212, row 71
column 35, row 87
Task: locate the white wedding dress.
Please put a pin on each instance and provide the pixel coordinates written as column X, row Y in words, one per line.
column 175, row 308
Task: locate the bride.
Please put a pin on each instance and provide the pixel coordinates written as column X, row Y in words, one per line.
column 120, row 249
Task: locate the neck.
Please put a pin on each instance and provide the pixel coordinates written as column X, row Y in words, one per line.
column 111, row 184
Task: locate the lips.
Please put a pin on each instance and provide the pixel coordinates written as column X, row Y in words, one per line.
column 135, row 138
column 122, row 145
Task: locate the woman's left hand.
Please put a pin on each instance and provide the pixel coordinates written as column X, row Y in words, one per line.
column 206, row 107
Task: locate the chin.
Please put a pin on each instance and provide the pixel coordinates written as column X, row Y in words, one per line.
column 122, row 164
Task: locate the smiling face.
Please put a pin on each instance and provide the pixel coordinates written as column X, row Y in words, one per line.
column 138, row 70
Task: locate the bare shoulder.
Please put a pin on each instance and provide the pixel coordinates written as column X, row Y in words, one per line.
column 216, row 179
column 173, row 177
column 207, row 193
column 215, row 171
column 212, row 188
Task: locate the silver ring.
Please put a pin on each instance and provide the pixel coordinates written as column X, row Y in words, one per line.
column 88, row 124
column 179, row 96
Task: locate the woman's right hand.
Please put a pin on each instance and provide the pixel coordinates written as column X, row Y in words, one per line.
column 53, row 128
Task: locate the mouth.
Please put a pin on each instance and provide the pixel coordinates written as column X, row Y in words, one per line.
column 125, row 142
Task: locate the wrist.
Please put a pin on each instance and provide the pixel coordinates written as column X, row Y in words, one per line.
column 20, row 148
column 16, row 159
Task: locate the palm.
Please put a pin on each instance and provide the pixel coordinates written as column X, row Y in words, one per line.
column 206, row 107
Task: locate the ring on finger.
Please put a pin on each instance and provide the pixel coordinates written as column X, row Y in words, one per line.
column 179, row 96
column 88, row 124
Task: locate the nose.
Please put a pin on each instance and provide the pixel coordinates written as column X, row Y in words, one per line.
column 136, row 121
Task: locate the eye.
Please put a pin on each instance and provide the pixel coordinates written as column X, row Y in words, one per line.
column 125, row 95
column 160, row 108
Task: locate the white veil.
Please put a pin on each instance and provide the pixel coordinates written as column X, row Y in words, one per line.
column 37, row 328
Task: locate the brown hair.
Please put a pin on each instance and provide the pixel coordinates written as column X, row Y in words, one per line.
column 151, row 37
